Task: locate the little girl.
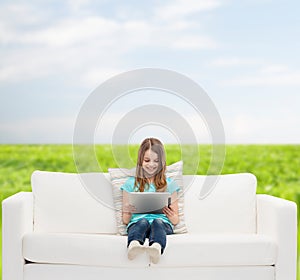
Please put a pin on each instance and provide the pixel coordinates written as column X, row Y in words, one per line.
column 150, row 177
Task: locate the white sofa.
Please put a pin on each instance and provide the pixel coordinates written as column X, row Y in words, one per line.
column 59, row 231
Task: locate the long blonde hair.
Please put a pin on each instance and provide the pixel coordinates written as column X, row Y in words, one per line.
column 141, row 182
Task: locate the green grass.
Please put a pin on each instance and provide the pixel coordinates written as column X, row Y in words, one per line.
column 1, row 253
column 275, row 166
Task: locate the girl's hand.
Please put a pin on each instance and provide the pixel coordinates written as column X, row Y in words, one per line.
column 127, row 213
column 172, row 215
column 128, row 208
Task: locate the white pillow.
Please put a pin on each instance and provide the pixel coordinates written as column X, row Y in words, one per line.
column 119, row 176
column 63, row 204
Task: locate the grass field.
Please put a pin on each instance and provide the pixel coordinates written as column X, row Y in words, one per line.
column 277, row 167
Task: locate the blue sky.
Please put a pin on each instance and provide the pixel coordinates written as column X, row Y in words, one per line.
column 244, row 54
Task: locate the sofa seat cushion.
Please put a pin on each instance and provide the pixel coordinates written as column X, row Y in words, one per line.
column 219, row 250
column 184, row 250
column 79, row 249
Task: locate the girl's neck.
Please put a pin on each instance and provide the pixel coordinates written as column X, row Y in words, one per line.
column 150, row 180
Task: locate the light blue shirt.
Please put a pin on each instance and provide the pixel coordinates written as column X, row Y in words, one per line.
column 129, row 187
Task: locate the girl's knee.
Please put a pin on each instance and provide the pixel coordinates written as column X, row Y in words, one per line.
column 158, row 222
column 143, row 221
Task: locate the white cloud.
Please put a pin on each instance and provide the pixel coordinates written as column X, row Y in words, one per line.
column 179, row 9
column 38, row 130
column 234, row 62
column 69, row 48
column 268, row 130
column 195, row 43
column 264, row 74
column 84, row 47
column 68, row 32
column 238, row 129
column 23, row 14
column 95, row 76
column 79, row 47
column 271, row 79
column 77, row 5
column 108, row 123
column 274, row 69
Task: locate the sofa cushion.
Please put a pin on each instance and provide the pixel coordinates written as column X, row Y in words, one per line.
column 183, row 250
column 62, row 203
column 79, row 249
column 219, row 250
column 120, row 175
column 229, row 208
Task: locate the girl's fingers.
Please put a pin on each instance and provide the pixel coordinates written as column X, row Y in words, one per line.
column 168, row 211
column 129, row 208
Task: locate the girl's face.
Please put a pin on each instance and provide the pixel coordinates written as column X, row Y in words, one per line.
column 150, row 163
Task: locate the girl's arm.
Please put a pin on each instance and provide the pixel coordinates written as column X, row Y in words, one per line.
column 126, row 211
column 172, row 211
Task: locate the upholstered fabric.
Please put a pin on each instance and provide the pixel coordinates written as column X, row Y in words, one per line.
column 17, row 220
column 229, row 208
column 62, row 203
column 219, row 250
column 219, row 245
column 81, row 249
column 277, row 218
column 120, row 175
column 182, row 250
column 77, row 272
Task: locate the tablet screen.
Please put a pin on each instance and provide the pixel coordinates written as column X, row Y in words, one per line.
column 149, row 202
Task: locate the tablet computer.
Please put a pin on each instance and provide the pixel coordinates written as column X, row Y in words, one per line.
column 149, row 202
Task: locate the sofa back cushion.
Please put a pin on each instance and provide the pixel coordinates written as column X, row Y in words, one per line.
column 63, row 204
column 229, row 208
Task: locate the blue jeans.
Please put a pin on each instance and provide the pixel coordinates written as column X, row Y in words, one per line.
column 157, row 231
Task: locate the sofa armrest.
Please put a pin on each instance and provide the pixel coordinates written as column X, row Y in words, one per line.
column 277, row 217
column 17, row 219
